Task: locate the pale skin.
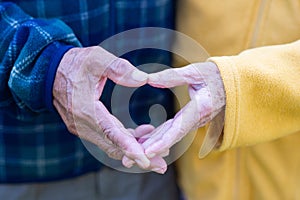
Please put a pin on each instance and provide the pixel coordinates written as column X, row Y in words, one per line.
column 79, row 83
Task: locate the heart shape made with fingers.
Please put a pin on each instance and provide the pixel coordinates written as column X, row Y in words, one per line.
column 79, row 83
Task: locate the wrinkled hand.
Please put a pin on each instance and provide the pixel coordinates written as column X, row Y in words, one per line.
column 157, row 163
column 207, row 99
column 78, row 85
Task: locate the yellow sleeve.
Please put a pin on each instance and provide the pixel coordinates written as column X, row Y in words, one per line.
column 262, row 94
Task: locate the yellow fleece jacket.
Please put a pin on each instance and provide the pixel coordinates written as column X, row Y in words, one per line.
column 254, row 43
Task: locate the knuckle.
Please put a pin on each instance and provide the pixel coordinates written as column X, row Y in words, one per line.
column 119, row 64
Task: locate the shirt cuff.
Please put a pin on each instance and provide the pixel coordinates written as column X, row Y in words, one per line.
column 58, row 53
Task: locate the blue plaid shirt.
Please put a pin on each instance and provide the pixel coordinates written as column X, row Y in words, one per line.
column 35, row 145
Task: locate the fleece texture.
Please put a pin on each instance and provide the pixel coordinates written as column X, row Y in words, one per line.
column 254, row 43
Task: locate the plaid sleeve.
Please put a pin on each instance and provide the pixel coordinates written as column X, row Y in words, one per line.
column 30, row 51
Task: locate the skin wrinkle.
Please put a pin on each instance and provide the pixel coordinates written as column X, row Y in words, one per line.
column 113, row 137
column 82, row 69
column 207, row 98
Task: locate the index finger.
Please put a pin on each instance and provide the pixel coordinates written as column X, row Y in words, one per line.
column 114, row 130
column 124, row 73
column 184, row 121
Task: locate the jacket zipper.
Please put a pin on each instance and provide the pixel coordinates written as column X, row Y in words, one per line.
column 260, row 14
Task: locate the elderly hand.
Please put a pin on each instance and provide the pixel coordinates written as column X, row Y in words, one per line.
column 78, row 85
column 207, row 100
column 157, row 163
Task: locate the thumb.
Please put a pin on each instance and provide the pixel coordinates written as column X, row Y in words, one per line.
column 190, row 74
column 168, row 78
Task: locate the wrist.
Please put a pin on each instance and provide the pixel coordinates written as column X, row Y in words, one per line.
column 57, row 56
column 213, row 81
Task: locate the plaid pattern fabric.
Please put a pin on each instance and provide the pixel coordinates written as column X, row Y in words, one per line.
column 34, row 143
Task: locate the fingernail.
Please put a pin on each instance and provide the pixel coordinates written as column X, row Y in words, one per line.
column 144, row 164
column 139, row 76
column 129, row 164
column 159, row 170
column 150, row 155
column 153, row 77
